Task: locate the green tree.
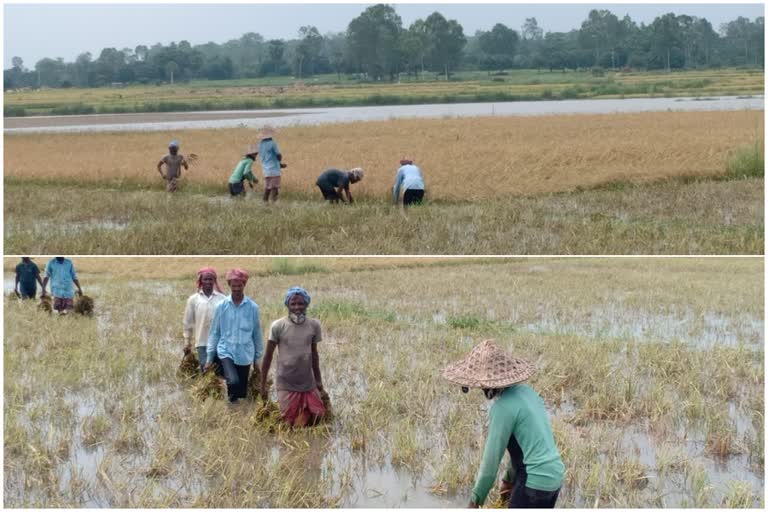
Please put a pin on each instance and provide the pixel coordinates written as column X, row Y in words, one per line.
column 499, row 46
column 666, row 36
column 374, row 41
column 170, row 68
column 446, row 41
column 308, row 49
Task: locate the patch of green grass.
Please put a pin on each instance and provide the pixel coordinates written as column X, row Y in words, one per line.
column 747, row 162
column 289, row 267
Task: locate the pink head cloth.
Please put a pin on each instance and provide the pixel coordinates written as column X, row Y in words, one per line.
column 237, row 273
column 208, row 270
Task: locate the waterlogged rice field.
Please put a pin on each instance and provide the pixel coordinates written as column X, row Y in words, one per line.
column 652, row 371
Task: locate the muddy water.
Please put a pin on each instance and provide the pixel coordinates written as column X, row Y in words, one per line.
column 317, row 116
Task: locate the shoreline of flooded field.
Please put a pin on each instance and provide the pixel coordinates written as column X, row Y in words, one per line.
column 320, row 116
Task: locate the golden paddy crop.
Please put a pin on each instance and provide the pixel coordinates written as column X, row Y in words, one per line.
column 471, row 158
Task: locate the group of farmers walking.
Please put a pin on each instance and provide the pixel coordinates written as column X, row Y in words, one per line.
column 333, row 183
column 63, row 278
column 226, row 331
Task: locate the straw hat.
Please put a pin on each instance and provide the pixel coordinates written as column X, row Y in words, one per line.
column 357, row 172
column 266, row 132
column 252, row 149
column 489, row 366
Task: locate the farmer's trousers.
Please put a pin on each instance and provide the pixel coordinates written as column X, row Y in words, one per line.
column 237, row 378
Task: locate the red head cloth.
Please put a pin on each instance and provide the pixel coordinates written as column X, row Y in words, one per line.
column 406, row 160
column 208, row 270
column 237, row 273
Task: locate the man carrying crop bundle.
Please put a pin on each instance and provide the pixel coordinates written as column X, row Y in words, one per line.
column 173, row 162
column 198, row 314
column 333, row 183
column 298, row 381
column 235, row 336
column 518, row 424
column 27, row 277
column 61, row 272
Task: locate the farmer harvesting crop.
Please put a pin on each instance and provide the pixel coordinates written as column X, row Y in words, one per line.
column 173, row 162
column 333, row 182
column 518, row 424
column 235, row 336
column 61, row 272
column 298, row 364
column 243, row 172
column 408, row 178
column 198, row 314
column 27, row 277
column 271, row 163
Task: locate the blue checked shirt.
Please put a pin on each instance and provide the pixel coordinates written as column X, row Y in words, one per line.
column 62, row 277
column 268, row 151
column 236, row 332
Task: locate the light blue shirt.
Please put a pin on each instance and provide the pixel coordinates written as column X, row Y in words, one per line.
column 268, row 152
column 235, row 332
column 409, row 178
column 62, row 276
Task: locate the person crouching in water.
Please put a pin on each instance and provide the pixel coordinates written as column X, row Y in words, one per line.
column 334, row 183
column 518, row 424
column 235, row 336
column 298, row 379
column 410, row 180
column 243, row 171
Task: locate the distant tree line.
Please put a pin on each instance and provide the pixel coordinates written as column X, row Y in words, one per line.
column 376, row 46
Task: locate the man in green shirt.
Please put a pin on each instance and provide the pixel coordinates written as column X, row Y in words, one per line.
column 518, row 424
column 27, row 274
column 243, row 172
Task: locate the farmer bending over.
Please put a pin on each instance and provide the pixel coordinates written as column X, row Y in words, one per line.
column 518, row 424
column 198, row 314
column 235, row 336
column 408, row 178
column 173, row 162
column 333, row 182
column 61, row 272
column 243, row 172
column 298, row 364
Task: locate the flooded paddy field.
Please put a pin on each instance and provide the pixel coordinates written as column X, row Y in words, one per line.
column 652, row 371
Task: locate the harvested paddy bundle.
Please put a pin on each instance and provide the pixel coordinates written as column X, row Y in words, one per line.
column 266, row 416
column 209, row 386
column 328, row 416
column 46, row 304
column 254, row 384
column 190, row 365
column 84, row 305
column 14, row 295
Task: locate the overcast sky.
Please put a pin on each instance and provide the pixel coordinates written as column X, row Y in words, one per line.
column 35, row 31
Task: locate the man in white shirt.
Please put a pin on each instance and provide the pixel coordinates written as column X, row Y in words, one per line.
column 198, row 314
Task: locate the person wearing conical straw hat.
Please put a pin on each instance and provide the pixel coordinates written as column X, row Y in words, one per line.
column 243, row 171
column 173, row 163
column 334, row 183
column 271, row 163
column 518, row 424
column 298, row 381
column 198, row 314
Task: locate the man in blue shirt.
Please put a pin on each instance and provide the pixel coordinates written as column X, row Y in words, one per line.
column 61, row 272
column 271, row 163
column 235, row 336
column 408, row 178
column 27, row 277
